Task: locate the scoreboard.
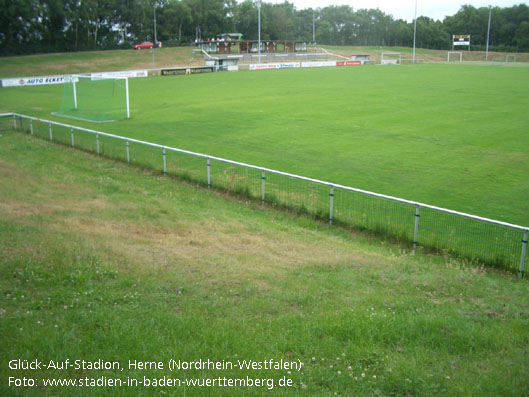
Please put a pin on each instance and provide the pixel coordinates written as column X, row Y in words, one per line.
column 460, row 39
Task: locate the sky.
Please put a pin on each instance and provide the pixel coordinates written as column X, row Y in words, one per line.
column 404, row 9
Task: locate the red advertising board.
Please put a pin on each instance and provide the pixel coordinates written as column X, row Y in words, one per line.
column 348, row 63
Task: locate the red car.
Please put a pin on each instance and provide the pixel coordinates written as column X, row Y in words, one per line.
column 144, row 45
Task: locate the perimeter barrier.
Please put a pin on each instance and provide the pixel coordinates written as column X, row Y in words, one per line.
column 489, row 241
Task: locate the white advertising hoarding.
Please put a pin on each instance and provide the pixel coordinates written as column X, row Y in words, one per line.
column 318, row 64
column 124, row 73
column 44, row 80
column 30, row 81
column 282, row 65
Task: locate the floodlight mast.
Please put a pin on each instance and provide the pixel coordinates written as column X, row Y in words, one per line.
column 488, row 35
column 414, row 31
column 313, row 27
column 154, row 12
column 259, row 29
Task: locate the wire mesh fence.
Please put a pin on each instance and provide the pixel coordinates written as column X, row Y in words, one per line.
column 376, row 214
column 489, row 241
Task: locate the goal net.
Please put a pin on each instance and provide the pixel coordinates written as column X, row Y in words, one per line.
column 454, row 57
column 391, row 58
column 95, row 99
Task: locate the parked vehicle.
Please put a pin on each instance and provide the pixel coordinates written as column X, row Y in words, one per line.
column 144, row 45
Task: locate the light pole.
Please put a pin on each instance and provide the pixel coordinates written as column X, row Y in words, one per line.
column 488, row 35
column 414, row 31
column 313, row 28
column 154, row 12
column 259, row 29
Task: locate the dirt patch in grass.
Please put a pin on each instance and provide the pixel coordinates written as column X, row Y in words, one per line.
column 219, row 247
column 209, row 247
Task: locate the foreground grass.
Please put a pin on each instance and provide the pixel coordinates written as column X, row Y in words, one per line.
column 102, row 261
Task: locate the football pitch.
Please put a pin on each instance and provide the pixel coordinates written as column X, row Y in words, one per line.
column 106, row 262
column 453, row 136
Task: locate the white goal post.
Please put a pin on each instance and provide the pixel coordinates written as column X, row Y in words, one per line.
column 510, row 58
column 98, row 99
column 74, row 78
column 454, row 54
column 391, row 58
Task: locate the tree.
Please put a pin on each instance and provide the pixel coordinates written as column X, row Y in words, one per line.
column 401, row 34
column 17, row 20
column 246, row 20
column 303, row 24
column 176, row 18
column 280, row 18
column 339, row 23
column 28, row 26
column 521, row 37
column 430, row 34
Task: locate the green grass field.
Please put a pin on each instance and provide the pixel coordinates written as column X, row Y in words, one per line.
column 451, row 136
column 101, row 261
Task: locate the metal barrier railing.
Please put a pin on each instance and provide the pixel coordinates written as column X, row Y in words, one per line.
column 490, row 241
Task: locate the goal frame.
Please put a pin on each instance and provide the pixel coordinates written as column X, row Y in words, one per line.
column 460, row 53
column 510, row 58
column 391, row 61
column 74, row 78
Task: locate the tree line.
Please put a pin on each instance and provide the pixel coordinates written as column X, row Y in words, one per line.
column 34, row 26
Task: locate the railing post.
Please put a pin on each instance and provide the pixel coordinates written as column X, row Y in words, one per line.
column 97, row 143
column 128, row 152
column 263, row 180
column 15, row 122
column 31, row 126
column 416, row 230
column 164, row 162
column 524, row 252
column 72, row 138
column 209, row 173
column 51, row 135
column 331, row 203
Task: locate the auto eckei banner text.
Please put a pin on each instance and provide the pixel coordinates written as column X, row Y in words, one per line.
column 60, row 79
column 30, row 81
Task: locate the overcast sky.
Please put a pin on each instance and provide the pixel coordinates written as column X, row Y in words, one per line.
column 404, row 9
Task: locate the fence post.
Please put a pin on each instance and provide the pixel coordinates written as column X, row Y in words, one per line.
column 128, row 152
column 164, row 162
column 72, row 138
column 97, row 143
column 15, row 122
column 263, row 179
column 51, row 135
column 209, row 173
column 331, row 204
column 31, row 126
column 524, row 252
column 416, row 230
